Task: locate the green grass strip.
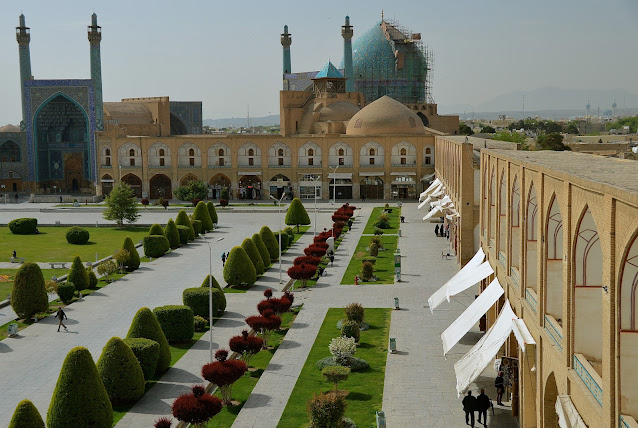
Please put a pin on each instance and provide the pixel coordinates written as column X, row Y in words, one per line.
column 395, row 220
column 365, row 388
column 384, row 266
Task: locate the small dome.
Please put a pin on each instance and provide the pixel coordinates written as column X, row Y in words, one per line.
column 9, row 128
column 385, row 116
column 340, row 110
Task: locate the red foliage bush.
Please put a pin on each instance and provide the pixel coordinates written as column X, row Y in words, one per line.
column 196, row 407
column 264, row 305
column 340, row 218
column 268, row 293
column 290, row 296
column 309, row 260
column 223, row 202
column 224, row 373
column 165, row 203
column 164, row 422
column 284, row 304
column 313, row 250
column 264, row 324
column 273, row 322
column 321, row 245
column 145, row 201
column 303, row 271
column 246, row 345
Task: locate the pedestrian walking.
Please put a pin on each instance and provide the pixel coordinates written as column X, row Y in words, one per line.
column 447, row 234
column 499, row 384
column 60, row 315
column 469, row 407
column 14, row 254
column 223, row 259
column 16, row 198
column 483, row 403
column 436, row 230
column 332, row 258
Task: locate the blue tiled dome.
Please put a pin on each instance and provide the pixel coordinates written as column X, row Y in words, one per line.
column 372, row 55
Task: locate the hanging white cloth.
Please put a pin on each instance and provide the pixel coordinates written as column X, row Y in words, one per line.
column 522, row 334
column 477, row 274
column 439, row 295
column 430, row 189
column 471, row 315
column 432, row 212
column 568, row 416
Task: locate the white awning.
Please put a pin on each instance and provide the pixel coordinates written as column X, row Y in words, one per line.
column 248, row 172
column 422, row 204
column 340, row 175
column 400, row 182
column 473, row 363
column 429, row 190
column 468, row 279
column 371, row 174
column 568, row 416
column 434, row 212
column 522, row 334
column 427, row 177
column 403, row 173
column 471, row 315
column 438, row 296
column 107, row 180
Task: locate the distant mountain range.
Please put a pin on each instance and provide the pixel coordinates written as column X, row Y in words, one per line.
column 237, row 122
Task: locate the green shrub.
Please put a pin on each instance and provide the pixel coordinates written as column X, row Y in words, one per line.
column 176, row 321
column 224, row 194
column 263, row 251
column 270, row 242
column 79, row 398
column 351, row 329
column 172, row 234
column 205, row 284
column 92, row 278
column 249, row 246
column 147, row 352
column 184, row 234
column 376, row 240
column 284, row 240
column 200, row 323
column 387, row 205
column 29, row 295
column 374, row 249
column 197, row 227
column 355, row 312
column 77, row 235
column 145, row 326
column 212, row 212
column 378, row 231
column 382, row 223
column 356, row 364
column 326, row 410
column 371, row 259
column 132, row 262
column 156, row 229
column 183, row 220
column 367, row 270
column 291, row 234
column 26, row 415
column 335, row 374
column 77, row 275
column 66, row 290
column 155, row 245
column 239, row 270
column 202, row 214
column 197, row 300
column 297, row 214
column 23, row 226
column 121, row 372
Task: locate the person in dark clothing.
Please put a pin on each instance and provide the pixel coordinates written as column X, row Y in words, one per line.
column 436, row 230
column 16, row 198
column 483, row 403
column 60, row 315
column 332, row 258
column 223, row 259
column 499, row 384
column 469, row 407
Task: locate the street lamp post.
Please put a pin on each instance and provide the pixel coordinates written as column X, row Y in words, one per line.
column 315, row 180
column 334, row 192
column 210, row 295
column 278, row 201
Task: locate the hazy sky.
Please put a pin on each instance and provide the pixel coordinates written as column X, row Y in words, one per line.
column 228, row 55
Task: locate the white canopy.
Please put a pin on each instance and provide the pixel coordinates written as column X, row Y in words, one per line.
column 522, row 334
column 439, row 295
column 468, row 279
column 568, row 416
column 429, row 190
column 471, row 315
column 422, row 204
column 473, row 363
column 432, row 213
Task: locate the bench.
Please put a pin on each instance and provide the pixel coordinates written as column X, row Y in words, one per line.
column 62, row 265
column 17, row 259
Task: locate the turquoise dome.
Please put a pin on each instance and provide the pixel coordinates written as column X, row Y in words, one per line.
column 372, row 55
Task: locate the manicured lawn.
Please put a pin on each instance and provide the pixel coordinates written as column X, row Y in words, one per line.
column 6, row 284
column 384, row 266
column 244, row 386
column 50, row 244
column 365, row 388
column 394, row 216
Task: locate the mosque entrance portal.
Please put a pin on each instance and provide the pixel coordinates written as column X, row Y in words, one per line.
column 73, row 172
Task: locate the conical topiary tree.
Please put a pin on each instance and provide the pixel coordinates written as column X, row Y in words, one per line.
column 79, row 398
column 249, row 246
column 77, row 275
column 156, row 229
column 133, row 261
column 29, row 295
column 182, row 219
column 26, row 415
column 297, row 214
column 271, row 243
column 172, row 234
column 212, row 212
column 121, row 373
column 201, row 213
column 239, row 270
column 205, row 284
column 263, row 251
column 146, row 326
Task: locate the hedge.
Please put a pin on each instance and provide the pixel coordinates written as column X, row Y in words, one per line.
column 239, row 270
column 23, row 226
column 79, row 398
column 197, row 227
column 66, row 290
column 156, row 229
column 297, row 214
column 28, row 295
column 184, row 234
column 263, row 251
column 145, row 326
column 172, row 234
column 197, row 300
column 176, row 321
column 291, row 234
column 26, row 415
column 205, row 284
column 133, row 261
column 202, row 214
column 77, row 275
column 269, row 241
column 249, row 246
column 147, row 352
column 155, row 245
column 212, row 212
column 285, row 240
column 182, row 219
column 120, row 372
column 77, row 235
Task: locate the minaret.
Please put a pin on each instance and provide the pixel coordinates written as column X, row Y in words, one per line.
column 286, row 41
column 95, row 37
column 346, row 32
column 23, row 37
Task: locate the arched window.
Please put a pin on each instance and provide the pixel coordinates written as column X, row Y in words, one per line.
column 251, row 152
column 191, row 152
column 311, row 152
column 280, row 152
column 341, row 152
column 221, row 152
column 108, row 152
column 162, row 161
column 162, row 152
column 131, row 152
column 428, row 151
column 371, row 152
column 403, row 151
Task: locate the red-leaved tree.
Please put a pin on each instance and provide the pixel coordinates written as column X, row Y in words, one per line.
column 224, row 373
column 309, row 260
column 246, row 345
column 303, row 272
column 315, row 251
column 197, row 407
column 268, row 293
column 164, row 422
column 264, row 324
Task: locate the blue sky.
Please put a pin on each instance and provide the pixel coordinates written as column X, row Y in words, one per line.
column 228, row 54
